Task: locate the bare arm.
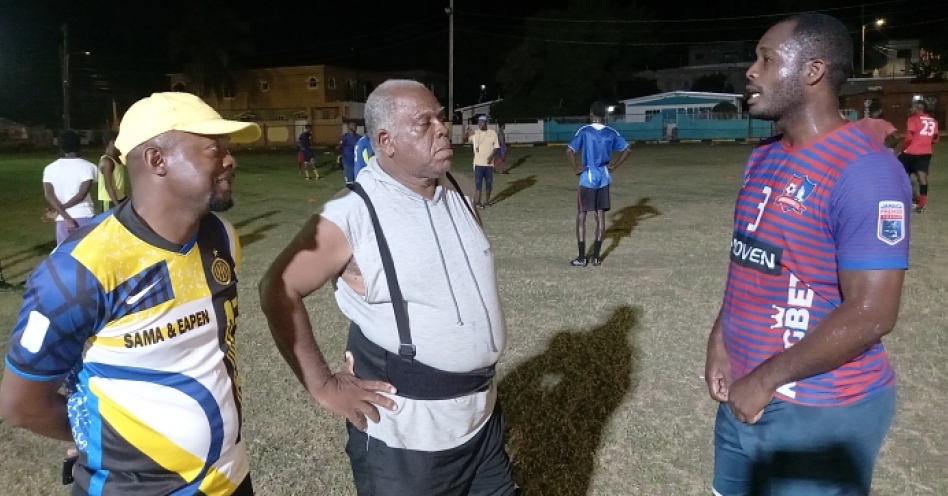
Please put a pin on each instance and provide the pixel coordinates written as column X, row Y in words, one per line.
column 317, row 254
column 54, row 202
column 625, row 154
column 892, row 140
column 572, row 161
column 84, row 189
column 34, row 405
column 905, row 142
column 107, row 166
column 869, row 311
column 717, row 367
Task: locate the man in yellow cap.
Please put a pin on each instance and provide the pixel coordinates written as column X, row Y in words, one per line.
column 135, row 315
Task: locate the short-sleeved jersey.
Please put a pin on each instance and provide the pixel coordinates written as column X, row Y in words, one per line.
column 597, row 142
column 363, row 152
column 305, row 141
column 348, row 144
column 142, row 333
column 803, row 214
column 877, row 129
column 922, row 131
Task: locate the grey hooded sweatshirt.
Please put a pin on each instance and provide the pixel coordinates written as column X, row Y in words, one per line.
column 446, row 272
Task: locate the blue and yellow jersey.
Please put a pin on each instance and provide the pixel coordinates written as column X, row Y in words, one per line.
column 142, row 333
column 363, row 152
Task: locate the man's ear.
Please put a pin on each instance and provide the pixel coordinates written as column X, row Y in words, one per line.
column 386, row 143
column 815, row 72
column 154, row 160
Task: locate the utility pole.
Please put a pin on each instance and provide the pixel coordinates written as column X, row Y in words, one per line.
column 450, row 112
column 862, row 22
column 65, row 75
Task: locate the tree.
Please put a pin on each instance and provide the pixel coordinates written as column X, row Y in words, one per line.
column 212, row 43
column 713, row 83
column 562, row 67
column 931, row 65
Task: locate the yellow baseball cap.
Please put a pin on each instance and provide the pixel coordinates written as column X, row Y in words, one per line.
column 177, row 111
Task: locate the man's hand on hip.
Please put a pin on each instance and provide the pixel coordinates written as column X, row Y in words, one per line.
column 353, row 398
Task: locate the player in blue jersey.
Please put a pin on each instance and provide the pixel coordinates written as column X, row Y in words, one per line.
column 597, row 141
column 817, row 259
column 304, row 153
column 363, row 152
column 135, row 315
column 347, row 148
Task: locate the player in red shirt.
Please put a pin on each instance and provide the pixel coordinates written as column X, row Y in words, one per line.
column 877, row 128
column 915, row 152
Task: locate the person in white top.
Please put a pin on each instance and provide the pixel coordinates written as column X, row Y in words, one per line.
column 66, row 184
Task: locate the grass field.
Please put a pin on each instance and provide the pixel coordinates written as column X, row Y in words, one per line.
column 601, row 379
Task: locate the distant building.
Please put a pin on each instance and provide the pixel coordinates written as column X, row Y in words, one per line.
column 898, row 56
column 469, row 113
column 667, row 106
column 322, row 95
column 896, row 96
column 730, row 58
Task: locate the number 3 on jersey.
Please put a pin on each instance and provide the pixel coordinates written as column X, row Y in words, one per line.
column 760, row 209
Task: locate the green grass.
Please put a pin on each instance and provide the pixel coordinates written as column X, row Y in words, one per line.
column 601, row 379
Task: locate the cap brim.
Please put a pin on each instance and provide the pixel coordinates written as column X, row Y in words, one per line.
column 239, row 132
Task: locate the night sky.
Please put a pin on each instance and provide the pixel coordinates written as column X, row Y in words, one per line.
column 129, row 52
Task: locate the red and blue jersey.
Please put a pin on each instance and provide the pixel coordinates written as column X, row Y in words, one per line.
column 803, row 214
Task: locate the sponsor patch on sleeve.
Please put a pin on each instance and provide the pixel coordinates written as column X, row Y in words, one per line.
column 891, row 226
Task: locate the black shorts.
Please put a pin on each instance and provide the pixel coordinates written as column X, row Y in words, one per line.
column 915, row 163
column 479, row 467
column 592, row 199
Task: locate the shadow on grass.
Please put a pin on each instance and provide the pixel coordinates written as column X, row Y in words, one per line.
column 514, row 188
column 40, row 250
column 833, row 466
column 557, row 404
column 258, row 234
column 520, row 161
column 624, row 221
column 242, row 223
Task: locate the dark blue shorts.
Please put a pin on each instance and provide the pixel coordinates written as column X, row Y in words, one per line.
column 797, row 450
column 348, row 168
column 483, row 174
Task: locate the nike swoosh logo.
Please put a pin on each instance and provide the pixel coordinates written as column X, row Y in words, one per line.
column 133, row 299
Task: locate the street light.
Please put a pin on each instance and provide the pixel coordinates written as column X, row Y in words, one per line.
column 862, row 66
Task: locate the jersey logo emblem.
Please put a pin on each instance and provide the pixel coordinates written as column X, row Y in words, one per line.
column 133, row 299
column 795, row 194
column 220, row 269
column 891, row 226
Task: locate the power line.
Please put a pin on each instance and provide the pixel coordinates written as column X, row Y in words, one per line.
column 644, row 21
column 657, row 43
column 612, row 29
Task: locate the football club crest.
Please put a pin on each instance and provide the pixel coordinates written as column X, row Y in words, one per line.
column 891, row 227
column 220, row 270
column 795, row 194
